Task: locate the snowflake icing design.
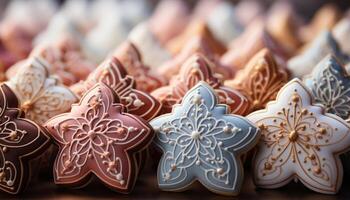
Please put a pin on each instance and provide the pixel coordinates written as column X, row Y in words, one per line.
column 201, row 141
column 98, row 137
column 330, row 86
column 299, row 141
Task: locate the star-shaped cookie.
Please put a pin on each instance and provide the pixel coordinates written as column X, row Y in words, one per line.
column 40, row 95
column 131, row 59
column 21, row 140
column 299, row 142
column 98, row 137
column 201, row 141
column 260, row 80
column 330, row 85
column 112, row 73
column 197, row 68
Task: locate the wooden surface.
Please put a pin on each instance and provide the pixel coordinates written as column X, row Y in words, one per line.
column 146, row 188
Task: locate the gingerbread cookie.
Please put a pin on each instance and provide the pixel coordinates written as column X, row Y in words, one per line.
column 40, row 95
column 21, row 141
column 112, row 73
column 131, row 59
column 197, row 68
column 260, row 80
column 98, row 137
column 324, row 44
column 299, row 142
column 201, row 141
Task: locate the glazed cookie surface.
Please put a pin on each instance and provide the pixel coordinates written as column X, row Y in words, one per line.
column 98, row 137
column 112, row 73
column 40, row 95
column 299, row 142
column 330, row 86
column 20, row 141
column 260, row 80
column 201, row 141
column 197, row 68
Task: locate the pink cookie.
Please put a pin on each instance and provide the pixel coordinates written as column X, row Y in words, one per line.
column 98, row 138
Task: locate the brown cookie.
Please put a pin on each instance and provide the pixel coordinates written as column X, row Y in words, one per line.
column 112, row 73
column 260, row 80
column 197, row 68
column 21, row 141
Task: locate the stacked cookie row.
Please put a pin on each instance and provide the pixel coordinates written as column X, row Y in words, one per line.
column 209, row 86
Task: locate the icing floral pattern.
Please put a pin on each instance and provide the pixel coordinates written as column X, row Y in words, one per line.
column 112, row 73
column 330, row 86
column 299, row 141
column 41, row 96
column 200, row 141
column 260, row 80
column 197, row 69
column 94, row 137
column 19, row 138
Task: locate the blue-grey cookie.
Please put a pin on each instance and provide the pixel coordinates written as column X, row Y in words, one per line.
column 202, row 142
column 330, row 85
